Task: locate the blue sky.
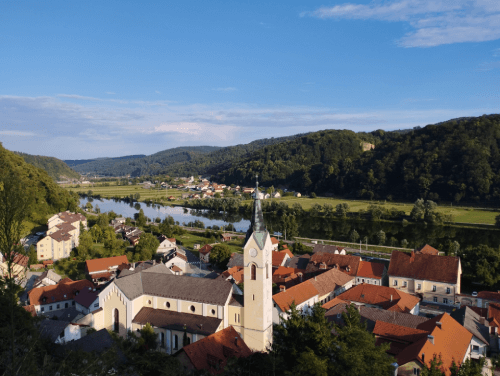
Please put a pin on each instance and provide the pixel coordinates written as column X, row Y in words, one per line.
column 111, row 78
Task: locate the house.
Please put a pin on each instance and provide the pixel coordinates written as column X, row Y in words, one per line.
column 440, row 336
column 383, row 297
column 171, row 198
column 212, row 353
column 248, row 190
column 299, row 262
column 427, row 250
column 297, row 194
column 321, row 261
column 236, row 274
column 55, row 297
column 47, row 278
column 18, row 269
column 104, row 269
column 287, row 277
column 181, row 305
column 321, row 288
column 435, row 278
column 59, row 331
column 329, row 249
column 87, row 300
column 275, row 195
column 62, row 236
column 374, row 273
column 205, row 253
column 280, row 258
column 262, row 195
column 118, row 221
column 167, row 245
column 235, row 260
column 275, row 243
column 484, row 298
column 177, row 261
column 226, row 237
column 479, row 328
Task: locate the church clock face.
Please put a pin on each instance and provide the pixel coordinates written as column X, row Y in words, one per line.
column 253, row 252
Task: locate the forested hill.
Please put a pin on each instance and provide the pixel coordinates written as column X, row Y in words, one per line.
column 304, row 163
column 142, row 165
column 57, row 169
column 75, row 162
column 49, row 197
column 457, row 160
column 223, row 158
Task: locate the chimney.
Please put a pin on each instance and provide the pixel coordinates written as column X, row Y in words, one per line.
column 315, row 278
column 438, row 324
column 236, row 341
column 391, row 297
column 300, row 276
column 431, row 340
column 412, row 256
column 282, row 288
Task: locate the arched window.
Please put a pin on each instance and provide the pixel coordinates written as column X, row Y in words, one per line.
column 162, row 339
column 116, row 324
column 254, row 272
column 188, row 340
column 176, row 342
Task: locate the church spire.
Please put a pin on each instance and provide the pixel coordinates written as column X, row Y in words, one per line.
column 257, row 226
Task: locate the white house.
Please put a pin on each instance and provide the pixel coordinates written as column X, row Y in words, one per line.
column 166, row 244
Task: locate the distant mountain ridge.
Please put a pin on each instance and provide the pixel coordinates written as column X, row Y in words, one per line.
column 57, row 169
column 76, row 162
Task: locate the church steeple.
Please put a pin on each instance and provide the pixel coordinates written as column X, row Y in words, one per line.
column 257, row 226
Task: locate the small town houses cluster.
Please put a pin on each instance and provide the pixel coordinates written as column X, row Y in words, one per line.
column 415, row 303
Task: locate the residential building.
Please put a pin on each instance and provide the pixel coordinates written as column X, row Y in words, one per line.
column 440, row 336
column 321, row 288
column 47, row 278
column 18, row 268
column 199, row 307
column 427, row 250
column 275, row 243
column 435, row 278
column 329, row 249
column 374, row 273
column 118, row 221
column 322, row 261
column 485, row 298
column 55, row 297
column 104, row 269
column 59, row 331
column 87, row 300
column 236, row 274
column 212, row 353
column 383, row 297
column 205, row 253
column 280, row 258
column 479, row 328
column 167, row 245
column 285, row 277
column 62, row 236
column 235, row 260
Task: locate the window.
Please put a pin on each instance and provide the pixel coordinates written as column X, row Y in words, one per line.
column 188, row 340
column 445, row 301
column 43, row 309
column 416, row 371
column 363, row 280
column 239, row 320
column 176, row 342
column 235, row 317
column 405, row 283
column 267, row 271
column 434, row 288
column 116, row 324
column 50, row 308
column 162, row 339
column 448, row 290
column 419, row 286
column 213, row 311
column 73, row 302
column 149, row 302
column 254, row 272
column 58, row 306
column 253, row 296
column 192, row 308
column 167, row 304
column 395, row 282
column 475, row 348
column 66, row 305
column 96, row 305
column 435, row 299
column 358, row 279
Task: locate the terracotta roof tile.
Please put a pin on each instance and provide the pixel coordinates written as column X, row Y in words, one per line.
column 216, row 349
column 278, row 257
column 274, row 240
column 401, row 333
column 56, row 293
column 103, row 264
column 385, row 297
column 207, row 248
column 298, row 294
column 237, row 272
column 428, row 250
column 329, row 281
column 489, row 295
column 370, row 269
column 86, row 297
column 345, row 263
column 494, row 314
column 424, row 266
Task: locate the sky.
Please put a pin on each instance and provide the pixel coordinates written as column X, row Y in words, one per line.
column 88, row 79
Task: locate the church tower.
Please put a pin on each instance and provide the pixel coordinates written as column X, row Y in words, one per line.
column 258, row 299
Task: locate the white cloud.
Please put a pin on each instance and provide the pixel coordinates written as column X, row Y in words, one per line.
column 435, row 22
column 225, row 89
column 17, row 133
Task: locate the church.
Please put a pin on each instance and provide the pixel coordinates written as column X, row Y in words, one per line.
column 179, row 306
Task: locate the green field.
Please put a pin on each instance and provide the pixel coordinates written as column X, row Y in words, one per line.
column 459, row 214
column 190, row 239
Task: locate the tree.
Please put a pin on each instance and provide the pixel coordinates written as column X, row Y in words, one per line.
column 481, row 264
column 32, row 254
column 140, row 218
column 355, row 350
column 404, row 243
column 96, row 232
column 220, row 255
column 102, row 220
column 381, row 237
column 468, row 368
column 147, row 242
column 434, row 368
column 148, row 339
column 84, row 244
column 354, row 236
column 342, row 209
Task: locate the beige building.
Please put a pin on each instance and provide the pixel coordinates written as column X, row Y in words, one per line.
column 178, row 305
column 62, row 236
column 434, row 278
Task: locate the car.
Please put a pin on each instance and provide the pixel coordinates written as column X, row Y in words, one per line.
column 474, row 293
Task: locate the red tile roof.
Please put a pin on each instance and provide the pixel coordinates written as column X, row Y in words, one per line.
column 489, row 295
column 428, row 250
column 385, row 297
column 370, row 269
column 298, row 294
column 278, row 257
column 56, row 293
column 86, row 297
column 207, row 248
column 331, row 260
column 332, row 303
column 20, row 259
column 48, row 262
column 274, row 240
column 425, row 267
column 329, row 281
column 103, row 264
column 402, row 333
column 237, row 272
column 31, row 309
column 494, row 314
column 212, row 352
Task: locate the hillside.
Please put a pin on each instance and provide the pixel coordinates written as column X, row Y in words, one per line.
column 57, row 169
column 304, row 163
column 49, row 197
column 75, row 162
column 142, row 165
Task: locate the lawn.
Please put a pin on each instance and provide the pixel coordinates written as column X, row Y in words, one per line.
column 127, row 190
column 190, row 239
